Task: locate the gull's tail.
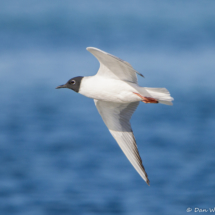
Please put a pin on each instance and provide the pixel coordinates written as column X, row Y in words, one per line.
column 161, row 94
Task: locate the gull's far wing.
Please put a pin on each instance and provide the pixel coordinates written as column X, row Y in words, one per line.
column 116, row 116
column 114, row 67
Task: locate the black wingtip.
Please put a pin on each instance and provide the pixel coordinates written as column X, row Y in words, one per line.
column 140, row 74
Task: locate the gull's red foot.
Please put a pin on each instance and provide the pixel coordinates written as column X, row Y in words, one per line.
column 147, row 99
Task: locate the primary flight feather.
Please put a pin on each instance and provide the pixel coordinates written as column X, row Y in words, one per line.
column 117, row 94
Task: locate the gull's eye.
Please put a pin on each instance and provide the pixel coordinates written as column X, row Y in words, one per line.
column 72, row 82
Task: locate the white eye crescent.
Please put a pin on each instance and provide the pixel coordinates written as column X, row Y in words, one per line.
column 72, row 82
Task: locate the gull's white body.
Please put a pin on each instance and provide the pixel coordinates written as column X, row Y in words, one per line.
column 113, row 89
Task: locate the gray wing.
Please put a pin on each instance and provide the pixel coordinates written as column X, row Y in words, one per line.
column 116, row 116
column 114, row 67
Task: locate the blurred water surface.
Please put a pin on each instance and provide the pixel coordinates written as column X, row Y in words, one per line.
column 57, row 156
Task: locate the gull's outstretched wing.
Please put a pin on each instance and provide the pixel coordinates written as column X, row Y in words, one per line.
column 116, row 116
column 114, row 67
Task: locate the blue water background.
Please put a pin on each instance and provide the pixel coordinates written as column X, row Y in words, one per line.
column 57, row 156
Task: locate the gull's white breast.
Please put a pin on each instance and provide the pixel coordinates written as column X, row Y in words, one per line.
column 111, row 90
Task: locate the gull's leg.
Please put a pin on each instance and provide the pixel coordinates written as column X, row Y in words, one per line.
column 147, row 99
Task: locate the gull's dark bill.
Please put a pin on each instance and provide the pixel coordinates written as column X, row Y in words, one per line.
column 61, row 86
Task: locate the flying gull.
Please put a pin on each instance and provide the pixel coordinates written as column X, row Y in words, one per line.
column 117, row 94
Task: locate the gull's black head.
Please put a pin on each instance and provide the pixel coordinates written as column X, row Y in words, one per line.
column 73, row 84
